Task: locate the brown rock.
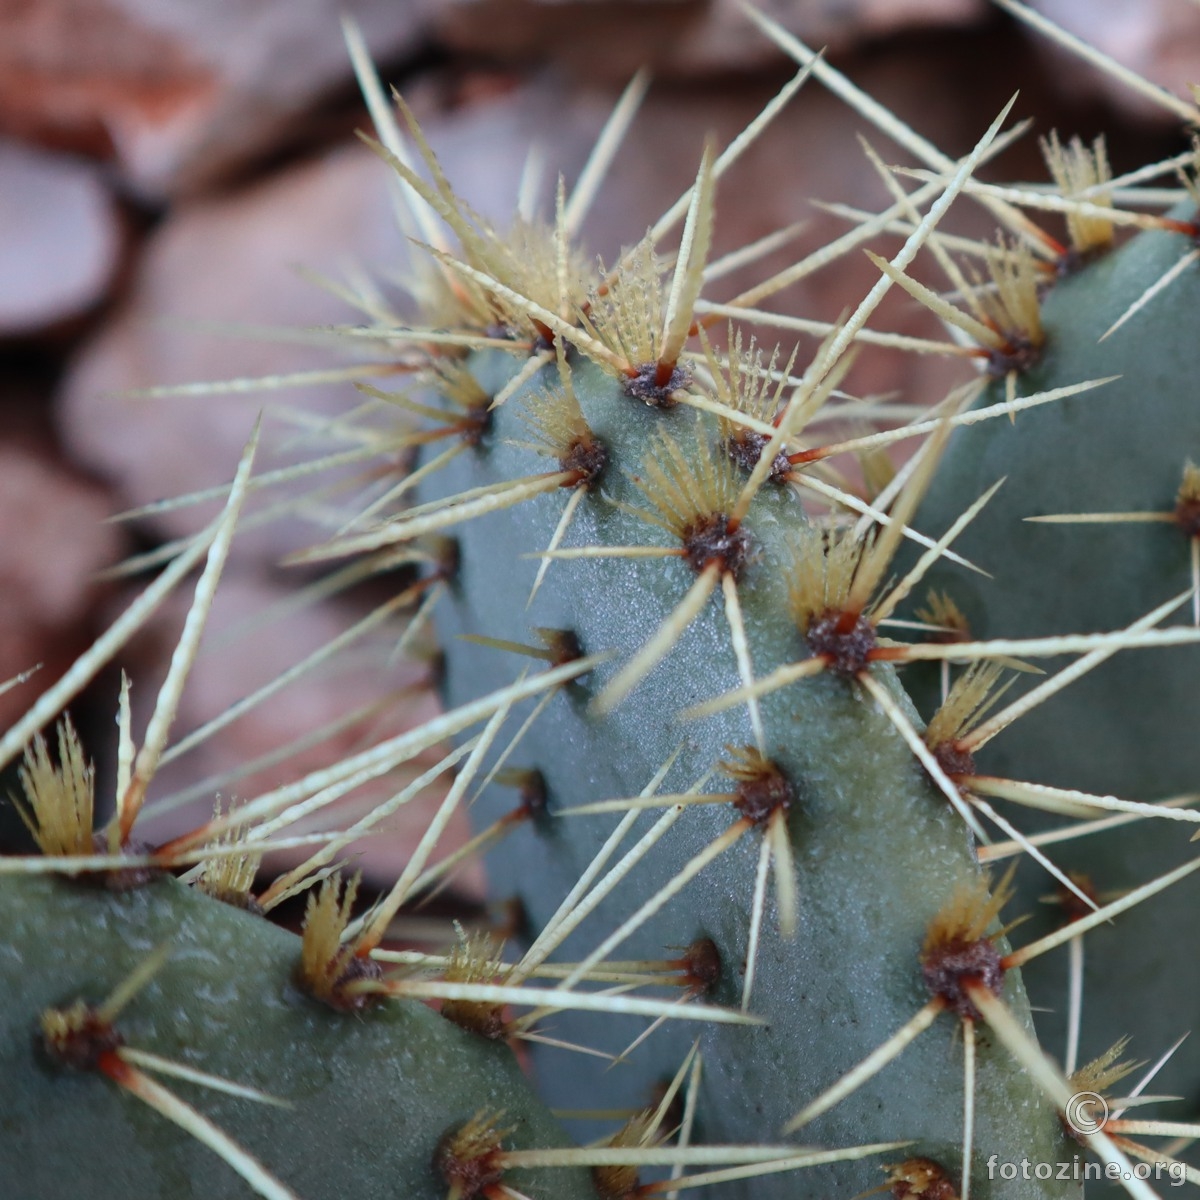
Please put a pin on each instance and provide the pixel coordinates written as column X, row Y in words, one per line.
column 59, row 238
column 178, row 91
column 610, row 39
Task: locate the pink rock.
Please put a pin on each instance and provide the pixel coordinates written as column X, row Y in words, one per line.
column 178, row 91
column 609, row 40
column 52, row 541
column 1157, row 39
column 59, row 238
column 233, row 261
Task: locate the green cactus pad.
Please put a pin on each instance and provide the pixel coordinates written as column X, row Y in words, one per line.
column 1128, row 728
column 878, row 850
column 370, row 1095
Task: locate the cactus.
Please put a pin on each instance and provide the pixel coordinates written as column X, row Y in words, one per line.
column 196, row 981
column 224, row 1004
column 1094, row 529
column 612, row 520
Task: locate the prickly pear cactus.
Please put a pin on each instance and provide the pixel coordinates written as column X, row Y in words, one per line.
column 750, row 652
column 872, row 848
column 617, row 494
column 362, row 1101
column 1094, row 529
column 318, row 1076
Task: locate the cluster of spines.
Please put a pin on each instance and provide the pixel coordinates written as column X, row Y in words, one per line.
column 693, row 499
column 333, row 967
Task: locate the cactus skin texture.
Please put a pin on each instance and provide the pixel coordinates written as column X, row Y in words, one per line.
column 370, row 1095
column 878, row 850
column 1128, row 728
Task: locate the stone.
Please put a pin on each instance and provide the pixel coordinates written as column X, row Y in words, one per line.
column 52, row 542
column 60, row 240
column 230, row 261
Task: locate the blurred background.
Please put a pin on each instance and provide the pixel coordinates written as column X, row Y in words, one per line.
column 171, row 170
